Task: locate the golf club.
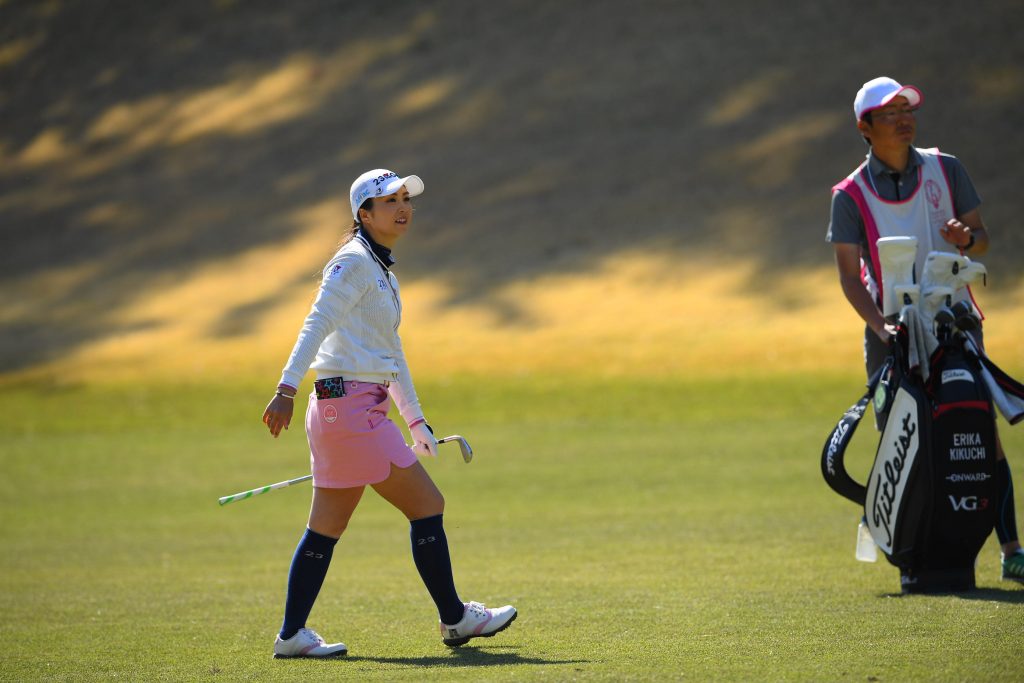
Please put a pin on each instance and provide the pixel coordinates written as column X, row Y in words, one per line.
column 467, row 452
column 943, row 323
column 224, row 500
column 467, row 455
column 966, row 319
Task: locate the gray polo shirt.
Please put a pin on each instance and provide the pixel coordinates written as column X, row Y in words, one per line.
column 846, row 225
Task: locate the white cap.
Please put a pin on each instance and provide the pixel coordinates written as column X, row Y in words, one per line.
column 880, row 91
column 381, row 182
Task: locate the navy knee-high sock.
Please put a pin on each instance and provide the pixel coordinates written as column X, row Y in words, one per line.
column 430, row 553
column 306, row 576
column 1006, row 511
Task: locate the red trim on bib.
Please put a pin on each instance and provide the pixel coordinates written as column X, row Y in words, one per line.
column 850, row 187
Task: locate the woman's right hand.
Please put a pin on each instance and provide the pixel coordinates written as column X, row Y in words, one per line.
column 278, row 414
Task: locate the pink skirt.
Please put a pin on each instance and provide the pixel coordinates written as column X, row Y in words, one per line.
column 352, row 442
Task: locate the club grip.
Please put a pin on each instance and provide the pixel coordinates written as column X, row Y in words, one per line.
column 224, row 500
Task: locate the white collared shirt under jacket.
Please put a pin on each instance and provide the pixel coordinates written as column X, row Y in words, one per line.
column 352, row 328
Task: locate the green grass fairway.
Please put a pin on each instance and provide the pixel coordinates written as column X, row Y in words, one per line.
column 645, row 530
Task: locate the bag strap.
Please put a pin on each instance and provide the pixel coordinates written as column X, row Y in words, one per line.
column 832, row 466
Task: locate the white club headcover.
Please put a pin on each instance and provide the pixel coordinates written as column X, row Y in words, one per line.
column 896, row 257
column 950, row 270
column 973, row 273
column 932, row 299
column 906, row 295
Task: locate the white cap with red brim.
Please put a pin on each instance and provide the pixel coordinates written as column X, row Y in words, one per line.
column 880, row 91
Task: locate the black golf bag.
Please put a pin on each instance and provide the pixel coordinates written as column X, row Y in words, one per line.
column 929, row 501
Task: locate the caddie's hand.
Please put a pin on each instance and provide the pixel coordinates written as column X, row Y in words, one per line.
column 278, row 414
column 886, row 332
column 956, row 233
column 423, row 441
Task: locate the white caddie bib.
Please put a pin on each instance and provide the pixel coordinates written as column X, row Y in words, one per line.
column 920, row 215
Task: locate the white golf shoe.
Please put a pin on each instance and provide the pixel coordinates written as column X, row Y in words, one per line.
column 478, row 622
column 307, row 643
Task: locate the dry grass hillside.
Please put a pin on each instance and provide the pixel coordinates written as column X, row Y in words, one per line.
column 611, row 186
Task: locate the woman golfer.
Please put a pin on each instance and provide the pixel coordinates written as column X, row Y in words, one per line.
column 350, row 338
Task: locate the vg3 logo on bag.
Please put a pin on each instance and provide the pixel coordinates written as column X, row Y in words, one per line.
column 968, row 503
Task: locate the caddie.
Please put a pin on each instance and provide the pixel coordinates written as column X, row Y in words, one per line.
column 903, row 190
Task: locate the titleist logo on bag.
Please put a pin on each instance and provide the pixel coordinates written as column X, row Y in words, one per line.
column 896, row 454
column 836, row 442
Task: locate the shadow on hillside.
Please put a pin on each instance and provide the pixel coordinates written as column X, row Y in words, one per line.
column 141, row 144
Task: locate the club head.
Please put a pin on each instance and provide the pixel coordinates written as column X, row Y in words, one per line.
column 944, row 317
column 943, row 323
column 961, row 308
column 966, row 318
column 467, row 451
column 968, row 323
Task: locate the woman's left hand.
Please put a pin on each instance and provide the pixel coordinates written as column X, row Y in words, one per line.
column 278, row 414
column 423, row 441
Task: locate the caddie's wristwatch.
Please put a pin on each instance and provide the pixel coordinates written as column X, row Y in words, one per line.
column 970, row 242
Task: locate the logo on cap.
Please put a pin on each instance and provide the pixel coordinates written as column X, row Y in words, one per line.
column 381, row 178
